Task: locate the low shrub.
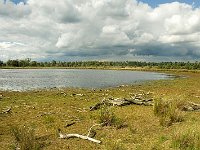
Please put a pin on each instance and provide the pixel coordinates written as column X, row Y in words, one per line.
column 25, row 138
column 168, row 112
column 187, row 139
column 108, row 118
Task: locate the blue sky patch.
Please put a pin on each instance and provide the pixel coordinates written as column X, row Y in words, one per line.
column 155, row 3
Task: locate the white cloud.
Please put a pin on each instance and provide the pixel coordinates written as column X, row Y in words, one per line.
column 13, row 11
column 64, row 28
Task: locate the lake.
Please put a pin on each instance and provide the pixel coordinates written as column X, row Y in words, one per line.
column 29, row 79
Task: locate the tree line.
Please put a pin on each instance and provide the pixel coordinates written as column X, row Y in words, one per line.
column 80, row 64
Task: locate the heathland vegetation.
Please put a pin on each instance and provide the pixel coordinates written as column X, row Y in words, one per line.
column 101, row 64
column 35, row 119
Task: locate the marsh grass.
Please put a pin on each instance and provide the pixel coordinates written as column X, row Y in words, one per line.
column 187, row 139
column 168, row 112
column 25, row 138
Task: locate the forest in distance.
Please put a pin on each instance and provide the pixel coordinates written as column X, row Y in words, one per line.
column 81, row 64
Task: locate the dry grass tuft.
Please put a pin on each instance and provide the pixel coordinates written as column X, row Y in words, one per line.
column 168, row 112
column 187, row 139
column 25, row 138
column 108, row 118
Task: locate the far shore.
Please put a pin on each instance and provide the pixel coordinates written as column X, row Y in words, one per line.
column 151, row 69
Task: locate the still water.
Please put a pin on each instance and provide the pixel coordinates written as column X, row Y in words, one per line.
column 29, row 79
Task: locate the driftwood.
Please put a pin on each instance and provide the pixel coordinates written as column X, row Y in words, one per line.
column 66, row 136
column 64, row 94
column 6, row 111
column 191, row 107
column 91, row 132
column 123, row 102
column 89, row 136
column 69, row 124
column 77, row 94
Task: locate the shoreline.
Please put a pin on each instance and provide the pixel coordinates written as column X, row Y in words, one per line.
column 109, row 68
column 48, row 110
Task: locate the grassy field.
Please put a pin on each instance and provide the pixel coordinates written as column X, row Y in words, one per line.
column 40, row 113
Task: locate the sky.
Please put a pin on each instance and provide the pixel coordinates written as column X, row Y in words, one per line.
column 106, row 30
column 155, row 3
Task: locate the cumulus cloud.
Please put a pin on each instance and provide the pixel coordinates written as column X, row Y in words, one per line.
column 99, row 29
column 14, row 11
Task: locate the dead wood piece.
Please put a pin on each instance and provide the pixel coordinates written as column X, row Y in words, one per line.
column 90, row 135
column 191, row 106
column 6, row 111
column 66, row 136
column 195, row 106
column 77, row 94
column 63, row 93
column 148, row 100
column 122, row 102
column 141, row 102
column 91, row 132
column 96, row 106
column 69, row 124
column 136, row 101
column 118, row 102
column 148, row 103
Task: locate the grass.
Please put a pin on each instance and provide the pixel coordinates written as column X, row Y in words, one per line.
column 48, row 110
column 115, row 145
